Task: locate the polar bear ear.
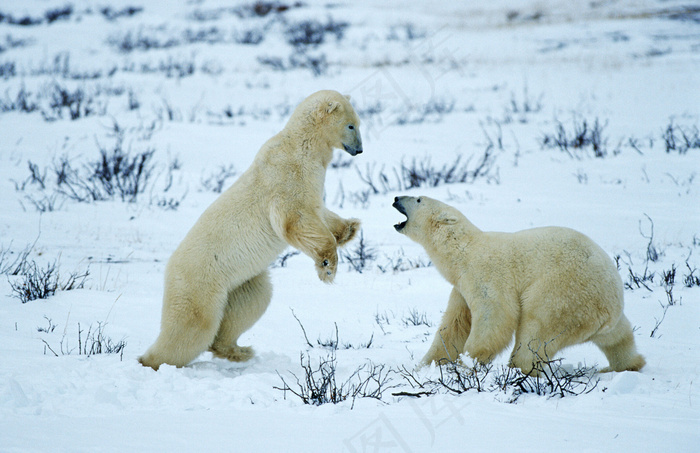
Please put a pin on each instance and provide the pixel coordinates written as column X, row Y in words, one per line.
column 332, row 106
column 347, row 96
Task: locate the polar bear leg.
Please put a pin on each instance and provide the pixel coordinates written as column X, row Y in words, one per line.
column 619, row 348
column 343, row 230
column 246, row 304
column 453, row 332
column 307, row 232
column 187, row 328
column 492, row 327
column 533, row 346
column 536, row 343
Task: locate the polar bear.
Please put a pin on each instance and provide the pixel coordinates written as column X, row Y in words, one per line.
column 216, row 282
column 553, row 287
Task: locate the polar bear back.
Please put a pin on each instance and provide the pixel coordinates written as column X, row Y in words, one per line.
column 548, row 265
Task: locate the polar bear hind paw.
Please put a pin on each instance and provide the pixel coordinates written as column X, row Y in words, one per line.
column 234, row 353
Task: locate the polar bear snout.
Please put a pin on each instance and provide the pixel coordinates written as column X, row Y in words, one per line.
column 353, row 150
column 400, row 207
column 352, row 141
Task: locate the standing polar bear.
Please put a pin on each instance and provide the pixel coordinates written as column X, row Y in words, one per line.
column 553, row 287
column 216, row 282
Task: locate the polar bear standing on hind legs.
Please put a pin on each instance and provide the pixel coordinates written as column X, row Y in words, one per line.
column 553, row 287
column 216, row 282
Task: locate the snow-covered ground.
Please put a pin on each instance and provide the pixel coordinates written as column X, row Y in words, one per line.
column 204, row 83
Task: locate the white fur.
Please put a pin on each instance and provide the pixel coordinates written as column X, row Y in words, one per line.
column 216, row 282
column 551, row 287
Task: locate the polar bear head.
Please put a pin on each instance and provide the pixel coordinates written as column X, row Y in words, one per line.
column 426, row 218
column 329, row 116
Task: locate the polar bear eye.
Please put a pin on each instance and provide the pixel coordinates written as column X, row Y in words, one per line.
column 351, row 127
column 418, row 200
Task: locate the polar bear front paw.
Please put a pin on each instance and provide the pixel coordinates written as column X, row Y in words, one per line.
column 326, row 268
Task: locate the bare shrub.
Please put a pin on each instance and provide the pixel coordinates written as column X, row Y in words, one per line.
column 550, row 380
column 313, row 32
column 330, row 342
column 416, row 318
column 301, row 59
column 117, row 173
column 17, row 265
column 74, row 104
column 423, row 173
column 319, row 384
column 216, row 181
column 434, row 110
column 359, row 257
column 42, row 283
column 583, row 137
column 691, row 280
column 401, row 263
column 95, row 341
column 23, row 101
column 680, row 139
column 112, row 14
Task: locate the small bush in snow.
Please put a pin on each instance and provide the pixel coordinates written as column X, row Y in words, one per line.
column 17, row 265
column 330, row 342
column 313, row 33
column 50, row 16
column 400, row 263
column 112, row 14
column 94, row 341
column 668, row 278
column 435, row 109
column 637, row 281
column 423, row 173
column 22, row 101
column 670, row 301
column 163, row 37
column 250, row 37
column 48, row 329
column 317, row 64
column 522, row 107
column 415, row 318
column 359, row 257
column 319, row 385
column 691, row 279
column 41, row 283
column 216, row 181
column 12, row 43
column 582, row 137
column 177, row 68
column 118, row 173
column 552, row 380
column 680, row 139
column 74, row 104
column 8, row 70
column 262, row 8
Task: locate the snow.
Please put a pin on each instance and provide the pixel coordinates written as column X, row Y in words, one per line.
column 631, row 64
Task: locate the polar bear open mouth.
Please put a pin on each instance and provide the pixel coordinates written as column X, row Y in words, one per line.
column 400, row 226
